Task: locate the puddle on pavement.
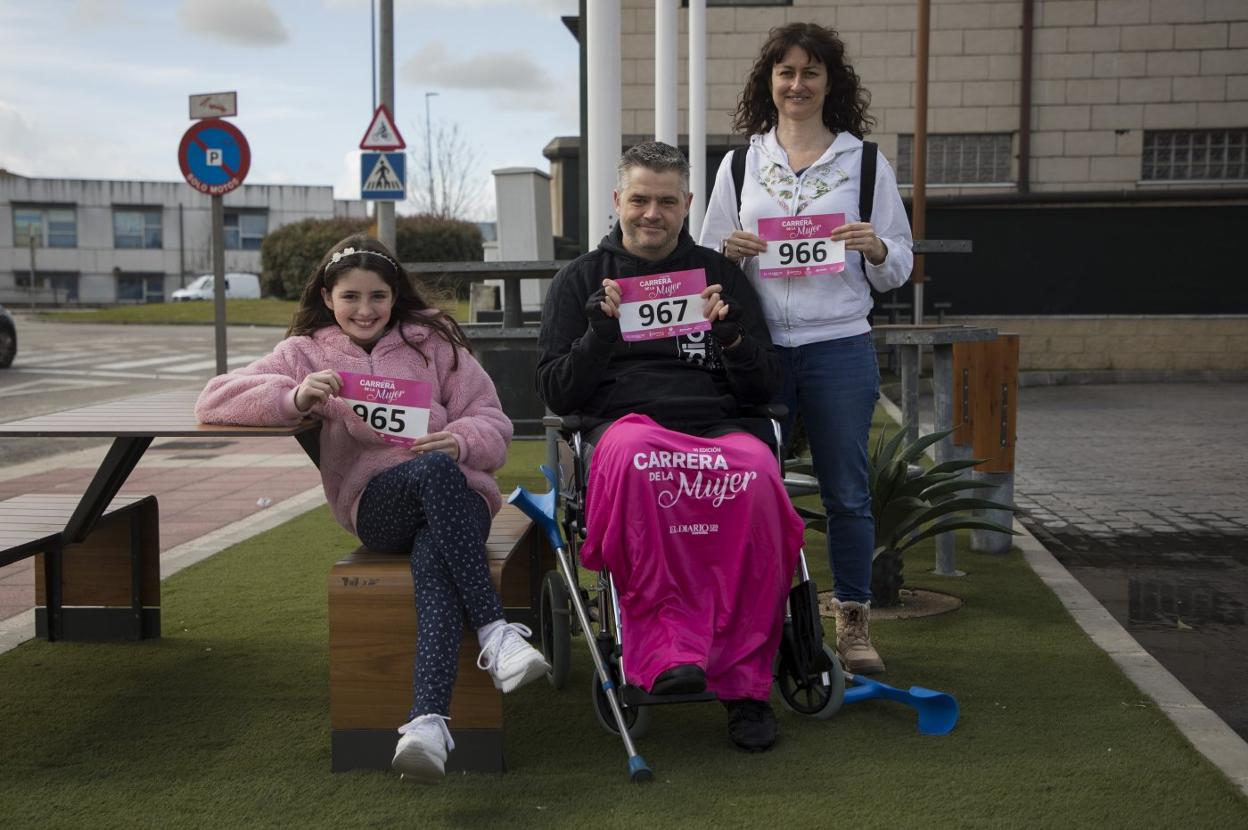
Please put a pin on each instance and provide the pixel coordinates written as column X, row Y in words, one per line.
column 1182, row 596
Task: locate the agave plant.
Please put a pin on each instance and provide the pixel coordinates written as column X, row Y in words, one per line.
column 910, row 504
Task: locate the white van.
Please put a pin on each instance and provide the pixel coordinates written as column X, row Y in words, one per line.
column 237, row 287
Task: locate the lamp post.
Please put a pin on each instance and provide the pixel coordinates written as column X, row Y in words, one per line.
column 429, row 152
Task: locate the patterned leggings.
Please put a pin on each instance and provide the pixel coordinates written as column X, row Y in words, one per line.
column 424, row 507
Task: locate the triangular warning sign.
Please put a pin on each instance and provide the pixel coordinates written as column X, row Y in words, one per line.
column 381, row 133
column 382, row 177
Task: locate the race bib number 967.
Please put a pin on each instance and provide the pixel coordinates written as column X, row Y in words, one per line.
column 662, row 305
column 799, row 246
column 397, row 409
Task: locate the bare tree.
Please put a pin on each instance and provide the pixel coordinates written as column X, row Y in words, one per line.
column 445, row 179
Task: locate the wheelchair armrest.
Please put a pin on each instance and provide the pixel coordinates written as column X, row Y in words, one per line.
column 770, row 411
column 566, row 424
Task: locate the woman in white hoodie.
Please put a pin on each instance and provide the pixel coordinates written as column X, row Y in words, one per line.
column 804, row 171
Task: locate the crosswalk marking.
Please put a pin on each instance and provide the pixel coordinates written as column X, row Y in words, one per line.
column 211, row 364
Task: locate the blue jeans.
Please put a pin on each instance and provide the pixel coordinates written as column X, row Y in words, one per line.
column 835, row 384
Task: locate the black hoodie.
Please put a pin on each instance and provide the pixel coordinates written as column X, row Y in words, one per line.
column 682, row 381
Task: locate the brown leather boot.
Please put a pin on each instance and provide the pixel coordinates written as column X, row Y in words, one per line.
column 853, row 637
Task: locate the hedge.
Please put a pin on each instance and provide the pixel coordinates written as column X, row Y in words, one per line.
column 290, row 254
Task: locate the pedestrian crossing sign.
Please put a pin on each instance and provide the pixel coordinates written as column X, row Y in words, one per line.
column 383, row 176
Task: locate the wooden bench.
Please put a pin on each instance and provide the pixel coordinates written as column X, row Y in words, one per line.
column 105, row 587
column 372, row 650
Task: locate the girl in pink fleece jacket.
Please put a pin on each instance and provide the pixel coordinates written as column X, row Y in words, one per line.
column 432, row 497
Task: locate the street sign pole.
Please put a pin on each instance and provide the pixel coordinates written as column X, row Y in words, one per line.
column 215, row 158
column 385, row 210
column 218, row 280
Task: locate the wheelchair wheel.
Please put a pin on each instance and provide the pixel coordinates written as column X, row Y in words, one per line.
column 636, row 718
column 556, row 628
column 818, row 696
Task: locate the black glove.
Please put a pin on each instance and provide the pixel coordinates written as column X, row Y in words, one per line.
column 727, row 330
column 605, row 327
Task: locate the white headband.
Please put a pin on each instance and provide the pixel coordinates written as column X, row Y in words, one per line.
column 338, row 255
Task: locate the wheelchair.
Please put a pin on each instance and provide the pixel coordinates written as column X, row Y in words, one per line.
column 807, row 672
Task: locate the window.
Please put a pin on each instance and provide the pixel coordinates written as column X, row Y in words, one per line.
column 50, row 227
column 1195, row 155
column 136, row 228
column 62, row 285
column 244, row 231
column 958, row 158
column 712, row 3
column 140, row 288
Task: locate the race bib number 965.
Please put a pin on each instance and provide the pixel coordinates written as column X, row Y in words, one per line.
column 662, row 305
column 396, row 409
column 798, row 246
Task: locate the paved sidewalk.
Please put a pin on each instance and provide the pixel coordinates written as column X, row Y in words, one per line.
column 201, row 486
column 1140, row 492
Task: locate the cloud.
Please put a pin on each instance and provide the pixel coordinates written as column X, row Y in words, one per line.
column 97, row 14
column 494, row 71
column 240, row 22
column 554, row 6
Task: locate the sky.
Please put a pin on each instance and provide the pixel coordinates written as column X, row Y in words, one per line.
column 98, row 89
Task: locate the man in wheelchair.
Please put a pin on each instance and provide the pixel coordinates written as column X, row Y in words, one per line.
column 661, row 346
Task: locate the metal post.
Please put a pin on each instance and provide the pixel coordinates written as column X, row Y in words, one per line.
column 218, row 281
column 908, row 358
column 697, row 115
column 385, row 210
column 918, row 224
column 665, row 71
column 429, row 154
column 604, row 113
column 942, row 394
column 31, row 285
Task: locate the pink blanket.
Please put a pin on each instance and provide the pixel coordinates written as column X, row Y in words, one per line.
column 702, row 542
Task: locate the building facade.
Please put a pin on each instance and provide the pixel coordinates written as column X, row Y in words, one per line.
column 100, row 242
column 1070, row 165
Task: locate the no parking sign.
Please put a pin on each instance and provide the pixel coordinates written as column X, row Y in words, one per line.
column 214, row 156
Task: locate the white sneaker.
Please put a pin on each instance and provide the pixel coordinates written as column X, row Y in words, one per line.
column 511, row 661
column 422, row 749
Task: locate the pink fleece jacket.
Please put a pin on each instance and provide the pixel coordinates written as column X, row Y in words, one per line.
column 464, row 403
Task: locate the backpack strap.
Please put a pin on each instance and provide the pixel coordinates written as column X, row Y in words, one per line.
column 866, row 179
column 866, row 186
column 738, row 172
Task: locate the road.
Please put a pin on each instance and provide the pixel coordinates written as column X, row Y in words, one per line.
column 64, row 365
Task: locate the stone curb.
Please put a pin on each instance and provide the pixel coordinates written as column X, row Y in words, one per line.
column 1206, row 731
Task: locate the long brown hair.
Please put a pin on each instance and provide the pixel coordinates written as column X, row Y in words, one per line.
column 410, row 303
column 844, row 108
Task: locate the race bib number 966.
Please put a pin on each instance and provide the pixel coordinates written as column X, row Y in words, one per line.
column 662, row 305
column 396, row 409
column 798, row 246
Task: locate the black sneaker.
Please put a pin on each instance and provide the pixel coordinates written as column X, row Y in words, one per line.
column 751, row 724
column 685, row 679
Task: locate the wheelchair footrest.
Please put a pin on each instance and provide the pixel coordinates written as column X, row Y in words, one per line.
column 636, row 696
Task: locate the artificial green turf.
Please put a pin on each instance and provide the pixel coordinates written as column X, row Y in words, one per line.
column 224, row 722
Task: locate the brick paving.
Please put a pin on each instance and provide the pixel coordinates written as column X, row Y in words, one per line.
column 1142, row 493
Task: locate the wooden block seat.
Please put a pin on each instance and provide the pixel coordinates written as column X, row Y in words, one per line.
column 372, row 649
column 104, row 588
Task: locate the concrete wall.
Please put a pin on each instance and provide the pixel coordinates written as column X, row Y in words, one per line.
column 1104, row 71
column 1130, row 343
column 94, row 259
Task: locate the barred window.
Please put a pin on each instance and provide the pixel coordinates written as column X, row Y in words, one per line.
column 958, row 158
column 1195, row 155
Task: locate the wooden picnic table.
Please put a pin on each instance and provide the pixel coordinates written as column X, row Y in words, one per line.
column 133, row 423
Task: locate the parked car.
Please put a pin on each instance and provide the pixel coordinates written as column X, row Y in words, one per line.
column 8, row 338
column 237, row 287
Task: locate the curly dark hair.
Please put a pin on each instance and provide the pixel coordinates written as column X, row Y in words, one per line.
column 844, row 109
column 410, row 302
